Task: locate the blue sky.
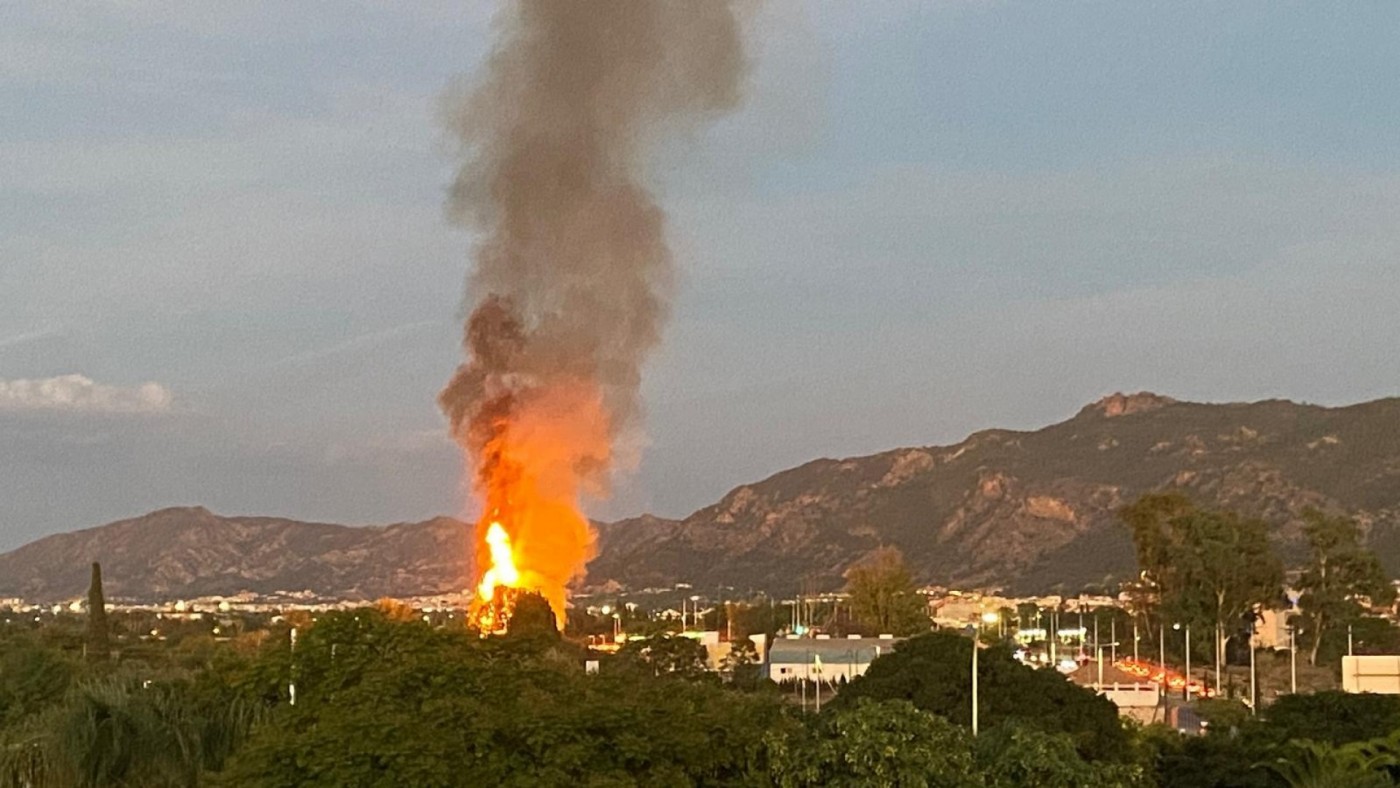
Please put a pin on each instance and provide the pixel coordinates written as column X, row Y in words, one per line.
column 928, row 218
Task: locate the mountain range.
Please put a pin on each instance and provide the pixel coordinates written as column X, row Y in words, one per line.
column 1028, row 511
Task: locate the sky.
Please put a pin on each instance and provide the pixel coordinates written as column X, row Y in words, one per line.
column 227, row 279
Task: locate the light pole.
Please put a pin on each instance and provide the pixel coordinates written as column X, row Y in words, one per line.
column 1219, row 654
column 974, row 683
column 1253, row 690
column 1186, row 686
column 1292, row 659
column 1112, row 640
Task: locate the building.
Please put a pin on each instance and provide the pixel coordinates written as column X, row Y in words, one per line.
column 1378, row 674
column 1135, row 697
column 832, row 660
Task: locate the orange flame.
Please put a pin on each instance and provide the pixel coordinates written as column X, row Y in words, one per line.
column 546, row 453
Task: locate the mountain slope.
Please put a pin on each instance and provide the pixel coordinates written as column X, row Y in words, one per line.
column 187, row 552
column 1029, row 510
column 1025, row 510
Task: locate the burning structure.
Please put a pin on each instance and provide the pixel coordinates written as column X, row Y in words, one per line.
column 572, row 275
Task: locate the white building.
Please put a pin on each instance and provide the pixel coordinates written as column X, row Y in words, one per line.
column 831, row 660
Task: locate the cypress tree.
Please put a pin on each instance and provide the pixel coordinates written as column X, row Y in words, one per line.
column 99, row 646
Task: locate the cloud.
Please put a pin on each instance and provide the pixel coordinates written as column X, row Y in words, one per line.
column 79, row 393
column 27, row 337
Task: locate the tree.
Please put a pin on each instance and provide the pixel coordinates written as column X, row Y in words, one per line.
column 876, row 743
column 1206, row 567
column 740, row 665
column 387, row 703
column 1309, row 764
column 1012, row 756
column 533, row 617
column 883, row 596
column 31, row 678
column 673, row 655
column 120, row 731
column 1331, row 717
column 1340, row 572
column 933, row 671
column 99, row 648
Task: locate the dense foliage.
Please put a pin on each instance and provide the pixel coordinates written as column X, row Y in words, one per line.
column 933, row 672
column 384, row 698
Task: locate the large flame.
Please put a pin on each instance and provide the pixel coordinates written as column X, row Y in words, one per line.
column 544, row 453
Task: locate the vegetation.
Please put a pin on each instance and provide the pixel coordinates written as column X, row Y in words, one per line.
column 933, row 672
column 884, row 598
column 385, row 697
column 99, row 646
column 1210, row 568
column 1339, row 575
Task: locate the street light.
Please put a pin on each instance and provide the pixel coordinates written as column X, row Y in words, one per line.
column 1186, row 687
column 976, row 631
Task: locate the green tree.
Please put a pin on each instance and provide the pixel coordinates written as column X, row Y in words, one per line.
column 32, row 676
column 933, row 672
column 533, row 617
column 1219, row 759
column 120, row 731
column 1331, row 717
column 1013, row 755
column 1309, row 764
column 1207, row 568
column 672, row 655
column 384, row 703
column 876, row 743
column 741, row 664
column 99, row 646
column 884, row 598
column 1340, row 572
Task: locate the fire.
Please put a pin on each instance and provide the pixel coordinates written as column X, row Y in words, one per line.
column 502, row 571
column 543, row 454
column 494, row 600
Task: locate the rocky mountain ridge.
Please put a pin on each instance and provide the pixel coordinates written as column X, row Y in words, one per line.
column 1029, row 511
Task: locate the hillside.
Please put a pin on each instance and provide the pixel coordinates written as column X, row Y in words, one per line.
column 188, row 552
column 1029, row 510
column 1026, row 510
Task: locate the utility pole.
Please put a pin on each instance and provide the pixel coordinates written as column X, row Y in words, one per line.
column 1292, row 659
column 1188, row 662
column 806, row 675
column 1253, row 690
column 1219, row 654
column 974, row 682
column 1113, row 640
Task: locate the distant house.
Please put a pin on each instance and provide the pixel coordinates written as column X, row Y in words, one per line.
column 1135, row 697
column 829, row 659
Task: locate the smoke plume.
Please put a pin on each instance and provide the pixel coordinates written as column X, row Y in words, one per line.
column 572, row 274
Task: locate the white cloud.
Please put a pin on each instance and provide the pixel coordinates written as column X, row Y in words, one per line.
column 79, row 393
column 27, row 337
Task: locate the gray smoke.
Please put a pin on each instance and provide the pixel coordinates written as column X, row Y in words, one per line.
column 572, row 278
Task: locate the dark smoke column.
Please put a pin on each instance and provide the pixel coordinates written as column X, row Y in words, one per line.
column 571, row 279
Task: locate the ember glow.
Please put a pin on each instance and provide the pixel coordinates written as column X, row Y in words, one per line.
column 572, row 275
